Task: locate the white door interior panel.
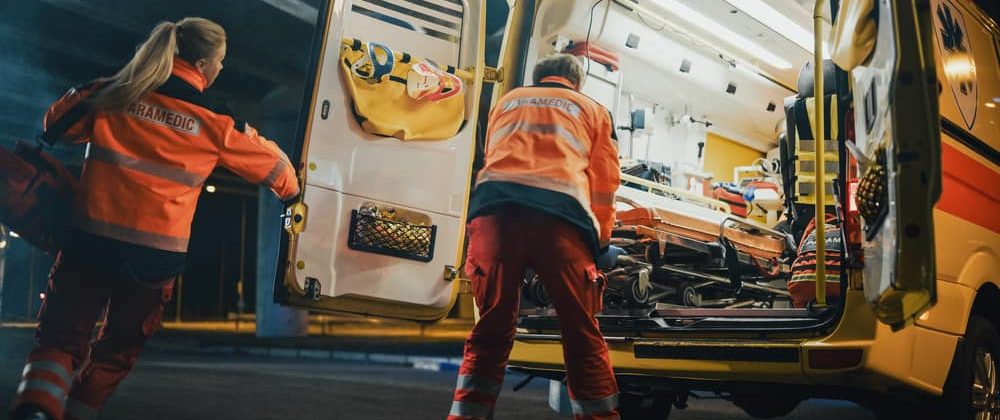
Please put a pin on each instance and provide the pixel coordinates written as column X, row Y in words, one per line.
column 349, row 168
column 342, row 271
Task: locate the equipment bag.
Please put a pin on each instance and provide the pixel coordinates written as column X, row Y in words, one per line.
column 602, row 56
column 802, row 285
column 397, row 95
column 734, row 198
column 36, row 191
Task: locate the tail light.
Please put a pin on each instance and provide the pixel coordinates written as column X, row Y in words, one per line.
column 853, row 234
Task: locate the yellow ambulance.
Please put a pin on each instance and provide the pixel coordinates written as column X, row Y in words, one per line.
column 912, row 116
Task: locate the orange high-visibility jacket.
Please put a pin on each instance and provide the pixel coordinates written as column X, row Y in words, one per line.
column 145, row 166
column 553, row 138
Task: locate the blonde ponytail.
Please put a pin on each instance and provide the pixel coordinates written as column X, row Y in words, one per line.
column 152, row 64
column 148, row 69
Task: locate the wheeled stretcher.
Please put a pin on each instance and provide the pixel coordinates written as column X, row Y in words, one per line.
column 686, row 251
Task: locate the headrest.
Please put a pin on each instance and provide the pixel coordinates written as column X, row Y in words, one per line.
column 806, row 82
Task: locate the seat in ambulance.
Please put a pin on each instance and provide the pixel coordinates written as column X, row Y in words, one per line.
column 798, row 112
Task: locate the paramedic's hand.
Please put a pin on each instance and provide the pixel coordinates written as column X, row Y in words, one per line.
column 608, row 259
column 290, row 201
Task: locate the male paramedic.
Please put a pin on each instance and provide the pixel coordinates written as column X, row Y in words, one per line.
column 544, row 200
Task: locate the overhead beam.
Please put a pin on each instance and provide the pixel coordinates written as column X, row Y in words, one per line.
column 34, row 74
column 77, row 51
column 89, row 11
column 296, row 8
column 18, row 101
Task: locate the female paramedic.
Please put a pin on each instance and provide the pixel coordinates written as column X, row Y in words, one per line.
column 153, row 142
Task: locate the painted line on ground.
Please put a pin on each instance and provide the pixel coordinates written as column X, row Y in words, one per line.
column 421, row 362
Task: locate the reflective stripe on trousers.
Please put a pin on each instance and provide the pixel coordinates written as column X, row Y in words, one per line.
column 41, row 385
column 44, row 383
column 476, row 384
column 474, row 397
column 47, row 366
column 468, row 409
column 33, row 378
column 588, row 407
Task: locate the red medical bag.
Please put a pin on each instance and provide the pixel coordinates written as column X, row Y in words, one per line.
column 36, row 193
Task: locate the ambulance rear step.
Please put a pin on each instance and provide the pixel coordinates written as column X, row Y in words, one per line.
column 629, row 322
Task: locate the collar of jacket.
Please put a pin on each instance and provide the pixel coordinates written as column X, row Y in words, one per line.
column 557, row 80
column 187, row 72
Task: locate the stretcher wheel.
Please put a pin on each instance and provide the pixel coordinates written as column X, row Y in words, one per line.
column 653, row 255
column 638, row 291
column 535, row 290
column 688, row 295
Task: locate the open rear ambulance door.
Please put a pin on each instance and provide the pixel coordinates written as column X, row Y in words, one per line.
column 379, row 229
column 897, row 128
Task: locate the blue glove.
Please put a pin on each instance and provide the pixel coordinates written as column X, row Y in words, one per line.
column 607, row 260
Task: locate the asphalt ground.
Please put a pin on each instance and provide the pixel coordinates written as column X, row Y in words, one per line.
column 174, row 379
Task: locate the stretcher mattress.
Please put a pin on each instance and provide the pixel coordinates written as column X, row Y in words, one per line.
column 694, row 222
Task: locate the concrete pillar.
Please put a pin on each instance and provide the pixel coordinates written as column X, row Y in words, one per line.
column 273, row 320
column 3, row 266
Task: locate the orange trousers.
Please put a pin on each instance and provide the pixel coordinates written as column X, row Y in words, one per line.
column 75, row 298
column 502, row 246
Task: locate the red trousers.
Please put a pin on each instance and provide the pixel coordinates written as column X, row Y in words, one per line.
column 501, row 247
column 74, row 300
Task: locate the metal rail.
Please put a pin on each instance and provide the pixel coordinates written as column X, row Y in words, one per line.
column 819, row 97
column 682, row 194
column 718, row 279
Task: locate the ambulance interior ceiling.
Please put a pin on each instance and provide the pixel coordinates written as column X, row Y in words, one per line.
column 740, row 58
column 728, row 62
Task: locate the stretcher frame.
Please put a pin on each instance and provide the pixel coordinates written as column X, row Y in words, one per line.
column 712, row 250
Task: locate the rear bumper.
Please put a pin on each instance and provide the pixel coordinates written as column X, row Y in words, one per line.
column 673, row 360
column 836, row 369
column 858, row 354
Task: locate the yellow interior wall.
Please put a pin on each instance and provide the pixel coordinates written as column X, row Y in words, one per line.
column 723, row 154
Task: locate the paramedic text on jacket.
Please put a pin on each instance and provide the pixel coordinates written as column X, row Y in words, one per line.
column 544, row 200
column 153, row 141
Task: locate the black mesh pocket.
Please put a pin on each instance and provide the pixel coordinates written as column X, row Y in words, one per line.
column 371, row 233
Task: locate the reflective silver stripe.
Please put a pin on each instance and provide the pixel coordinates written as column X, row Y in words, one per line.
column 471, row 409
column 80, row 411
column 477, row 384
column 602, row 405
column 160, row 170
column 131, row 235
column 48, row 366
column 566, row 105
column 276, row 171
column 543, row 183
column 811, row 278
column 553, row 129
column 42, row 385
column 603, row 198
